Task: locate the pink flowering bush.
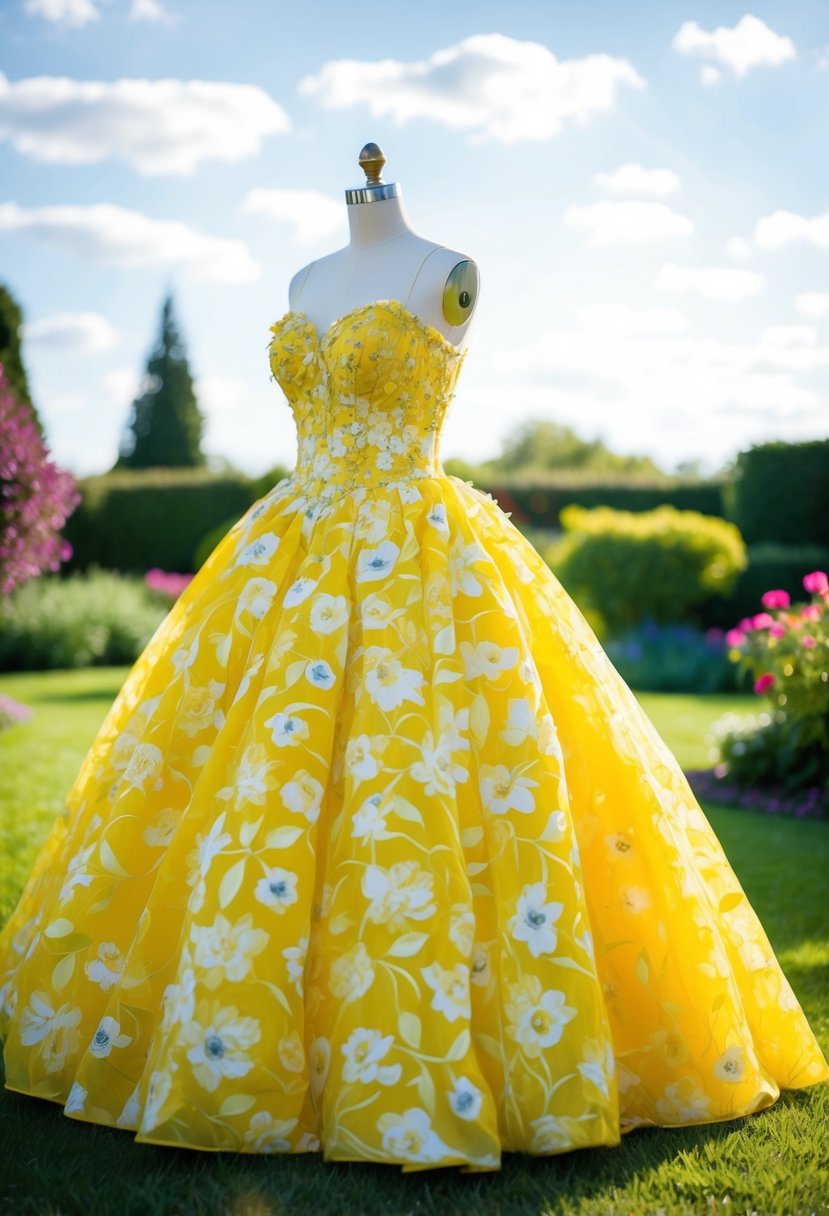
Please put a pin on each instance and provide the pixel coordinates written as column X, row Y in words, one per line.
column 12, row 712
column 785, row 652
column 36, row 497
column 167, row 584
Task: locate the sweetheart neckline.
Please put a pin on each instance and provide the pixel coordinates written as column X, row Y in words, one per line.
column 430, row 330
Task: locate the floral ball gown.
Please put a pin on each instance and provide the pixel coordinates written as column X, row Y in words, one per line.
column 375, row 853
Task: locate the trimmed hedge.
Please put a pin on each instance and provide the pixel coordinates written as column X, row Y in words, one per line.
column 769, row 567
column 134, row 520
column 539, row 505
column 780, row 493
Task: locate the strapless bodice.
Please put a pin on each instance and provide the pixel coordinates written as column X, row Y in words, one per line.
column 368, row 397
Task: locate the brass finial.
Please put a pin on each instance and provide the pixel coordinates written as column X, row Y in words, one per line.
column 371, row 160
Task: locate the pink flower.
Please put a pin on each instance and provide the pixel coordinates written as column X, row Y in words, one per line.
column 734, row 637
column 777, row 630
column 808, row 641
column 811, row 612
column 817, row 581
column 746, row 623
column 775, row 599
column 763, row 683
column 762, row 620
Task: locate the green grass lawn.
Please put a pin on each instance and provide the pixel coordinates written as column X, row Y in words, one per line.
column 776, row 1162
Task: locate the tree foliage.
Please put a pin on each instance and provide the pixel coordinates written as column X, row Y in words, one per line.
column 166, row 426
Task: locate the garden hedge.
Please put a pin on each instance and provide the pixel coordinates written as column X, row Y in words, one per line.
column 780, row 493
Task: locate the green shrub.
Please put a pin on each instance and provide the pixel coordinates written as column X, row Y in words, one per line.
column 769, row 565
column 539, row 502
column 673, row 658
column 209, row 542
column 83, row 620
column 656, row 565
column 781, row 493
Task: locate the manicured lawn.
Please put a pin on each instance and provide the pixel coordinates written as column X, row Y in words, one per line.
column 776, row 1162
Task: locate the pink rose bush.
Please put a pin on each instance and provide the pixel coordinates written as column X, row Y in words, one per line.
column 169, row 585
column 784, row 650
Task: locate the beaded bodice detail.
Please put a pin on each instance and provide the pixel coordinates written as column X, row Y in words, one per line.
column 368, row 397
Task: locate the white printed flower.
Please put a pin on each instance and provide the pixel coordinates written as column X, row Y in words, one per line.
column 295, row 956
column 202, row 855
column 303, row 795
column 437, row 518
column 255, row 598
column 107, row 1036
column 536, row 1018
column 411, row 1136
column 369, row 821
column 550, row 1134
column 277, row 890
column 179, row 999
column 598, row 1065
column 107, row 969
column 387, row 681
column 77, row 874
column 352, row 974
column 319, row 1063
column 161, row 1083
column 504, row 789
column 398, row 894
column 360, row 760
column 487, row 659
column 217, row 1043
column 438, row 769
column 635, row 900
column 145, row 762
column 267, row 1134
column 298, row 591
column 465, row 1099
column 56, row 1030
column 377, row 613
column 548, row 741
column 462, row 558
column 683, row 1102
column 130, row 1115
column 227, row 950
column 521, row 724
column 328, row 613
column 76, row 1099
column 451, row 989
column 291, row 1052
column 462, row 928
column 319, row 673
column 252, row 779
column 534, row 920
column 731, row 1065
column 160, row 832
column 287, row 730
column 363, row 1051
column 199, row 709
column 377, row 563
column 259, row 551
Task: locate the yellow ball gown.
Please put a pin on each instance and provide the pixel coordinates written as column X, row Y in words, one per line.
column 375, row 853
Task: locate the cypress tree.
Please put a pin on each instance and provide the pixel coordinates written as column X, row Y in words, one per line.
column 11, row 322
column 166, row 425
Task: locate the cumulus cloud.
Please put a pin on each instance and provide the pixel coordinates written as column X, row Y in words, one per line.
column 748, row 44
column 148, row 10
column 812, row 304
column 661, row 387
column 63, row 12
column 636, row 179
column 156, row 126
column 611, row 223
column 311, row 214
column 85, row 333
column 738, row 249
column 789, row 335
column 491, row 85
column 709, row 75
column 712, row 282
column 784, row 227
column 116, row 236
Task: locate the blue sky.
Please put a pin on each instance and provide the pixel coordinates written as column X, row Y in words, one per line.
column 644, row 188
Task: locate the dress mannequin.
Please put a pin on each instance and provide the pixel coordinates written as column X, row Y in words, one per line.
column 386, row 260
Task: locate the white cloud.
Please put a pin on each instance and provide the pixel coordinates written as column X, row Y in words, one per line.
column 812, row 304
column 783, row 227
column 312, row 214
column 749, row 44
column 647, row 389
column 116, row 236
column 630, row 322
column 712, row 282
column 148, row 10
column 613, row 222
column 157, row 126
column 86, row 333
column 121, row 386
column 738, row 249
column 789, row 335
column 492, row 85
column 709, row 75
column 63, row 12
column 636, row 179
